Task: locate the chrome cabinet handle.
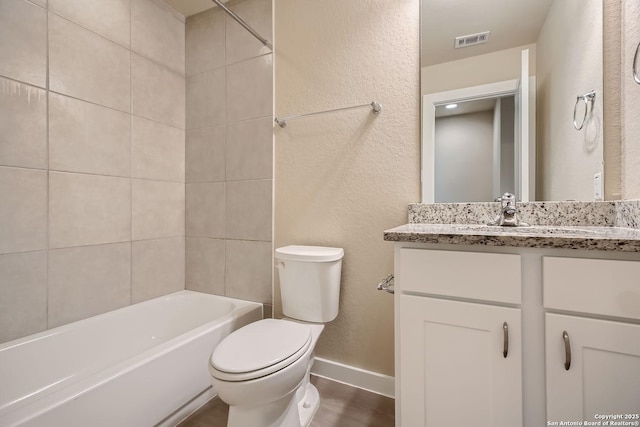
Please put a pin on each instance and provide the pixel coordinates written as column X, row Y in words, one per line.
column 636, row 78
column 567, row 350
column 505, row 329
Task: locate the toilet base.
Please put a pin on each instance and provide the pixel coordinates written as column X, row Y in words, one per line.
column 297, row 409
column 309, row 404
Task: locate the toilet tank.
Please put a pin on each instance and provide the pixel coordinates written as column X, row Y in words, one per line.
column 310, row 282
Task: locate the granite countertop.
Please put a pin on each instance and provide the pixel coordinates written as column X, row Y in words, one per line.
column 569, row 237
column 604, row 226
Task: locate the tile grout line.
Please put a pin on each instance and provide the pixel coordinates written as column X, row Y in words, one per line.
column 130, row 113
column 231, row 64
column 131, row 153
column 2, row 76
column 65, row 95
column 103, row 175
column 226, row 105
column 184, row 140
column 232, row 122
column 48, row 236
column 129, row 48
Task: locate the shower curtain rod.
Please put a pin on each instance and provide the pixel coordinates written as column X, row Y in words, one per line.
column 246, row 26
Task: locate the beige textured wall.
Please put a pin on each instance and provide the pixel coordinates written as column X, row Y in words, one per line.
column 630, row 102
column 569, row 63
column 92, row 153
column 612, row 152
column 341, row 179
column 476, row 70
column 229, row 153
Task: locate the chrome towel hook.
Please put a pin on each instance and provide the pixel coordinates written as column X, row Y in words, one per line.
column 588, row 98
column 636, row 78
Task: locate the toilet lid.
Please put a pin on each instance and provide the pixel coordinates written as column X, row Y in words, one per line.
column 309, row 253
column 259, row 349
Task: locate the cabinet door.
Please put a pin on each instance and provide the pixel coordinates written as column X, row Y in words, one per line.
column 604, row 373
column 453, row 370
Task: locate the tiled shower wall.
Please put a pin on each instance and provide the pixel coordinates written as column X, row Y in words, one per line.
column 92, row 158
column 229, row 160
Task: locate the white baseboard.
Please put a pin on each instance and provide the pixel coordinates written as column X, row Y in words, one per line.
column 355, row 377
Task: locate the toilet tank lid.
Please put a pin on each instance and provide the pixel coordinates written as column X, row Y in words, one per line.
column 309, row 253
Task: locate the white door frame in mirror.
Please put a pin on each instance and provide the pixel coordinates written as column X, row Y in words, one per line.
column 493, row 90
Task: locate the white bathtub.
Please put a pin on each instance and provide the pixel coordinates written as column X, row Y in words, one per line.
column 138, row 366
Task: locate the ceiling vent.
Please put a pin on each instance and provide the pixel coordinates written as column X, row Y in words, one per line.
column 472, row 39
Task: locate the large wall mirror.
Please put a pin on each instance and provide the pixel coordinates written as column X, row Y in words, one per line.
column 512, row 95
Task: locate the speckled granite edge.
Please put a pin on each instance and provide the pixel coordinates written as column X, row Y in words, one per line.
column 625, row 213
column 586, row 238
column 628, row 213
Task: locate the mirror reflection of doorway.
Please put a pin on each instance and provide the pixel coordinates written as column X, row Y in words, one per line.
column 474, row 145
column 522, row 91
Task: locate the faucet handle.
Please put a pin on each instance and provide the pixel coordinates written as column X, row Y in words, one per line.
column 508, row 201
column 508, row 196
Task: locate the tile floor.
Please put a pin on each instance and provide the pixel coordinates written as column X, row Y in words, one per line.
column 340, row 406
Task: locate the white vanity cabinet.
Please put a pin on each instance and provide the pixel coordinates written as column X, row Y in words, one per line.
column 592, row 365
column 451, row 303
column 603, row 376
column 460, row 355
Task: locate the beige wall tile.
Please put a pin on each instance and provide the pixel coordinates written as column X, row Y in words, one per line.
column 84, row 65
column 42, row 3
column 157, row 93
column 23, row 41
column 205, row 154
column 157, row 268
column 85, row 137
column 87, row 281
column 88, row 209
column 157, row 34
column 23, row 294
column 248, row 267
column 250, row 89
column 23, row 211
column 23, row 125
column 158, row 209
column 249, row 149
column 205, row 41
column 205, row 210
column 158, row 151
column 206, row 99
column 110, row 19
column 205, row 265
column 248, row 210
column 240, row 43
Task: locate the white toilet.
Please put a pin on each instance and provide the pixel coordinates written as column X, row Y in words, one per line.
column 262, row 370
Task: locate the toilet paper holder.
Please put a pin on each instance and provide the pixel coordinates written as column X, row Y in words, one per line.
column 386, row 284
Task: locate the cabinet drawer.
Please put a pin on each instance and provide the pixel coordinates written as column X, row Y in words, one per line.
column 597, row 286
column 481, row 276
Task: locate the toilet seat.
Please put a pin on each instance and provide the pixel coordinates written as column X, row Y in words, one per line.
column 259, row 349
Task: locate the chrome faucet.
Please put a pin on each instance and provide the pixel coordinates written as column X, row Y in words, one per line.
column 508, row 216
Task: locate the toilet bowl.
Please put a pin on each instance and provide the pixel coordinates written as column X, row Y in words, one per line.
column 262, row 370
column 262, row 374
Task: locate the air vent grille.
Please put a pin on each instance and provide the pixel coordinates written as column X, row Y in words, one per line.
column 472, row 39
